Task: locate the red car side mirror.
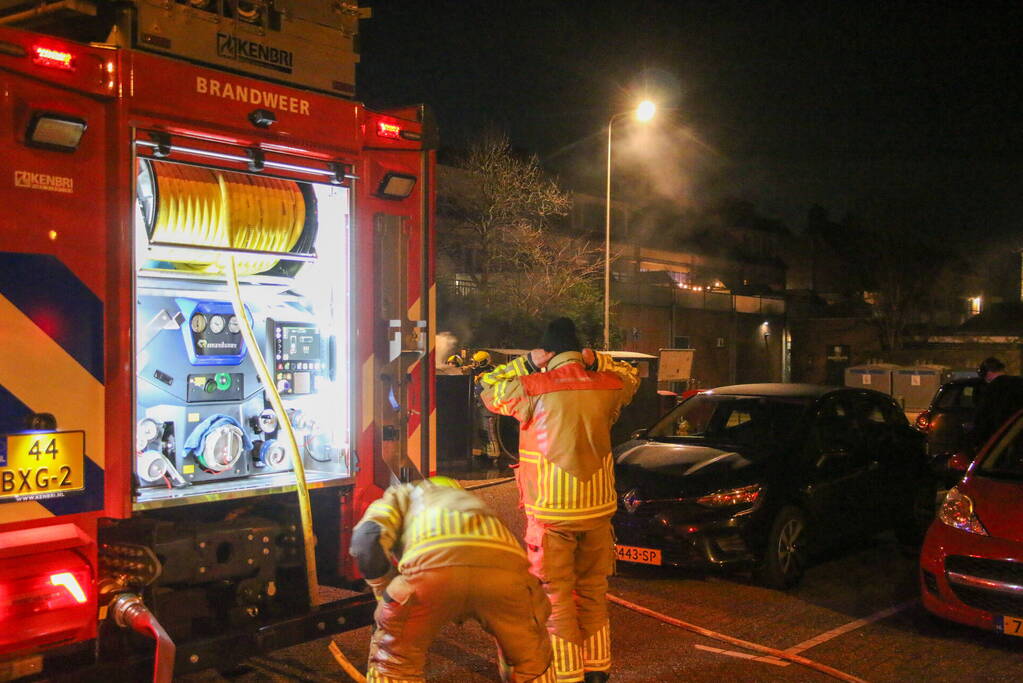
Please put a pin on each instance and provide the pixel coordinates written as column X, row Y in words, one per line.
column 959, row 462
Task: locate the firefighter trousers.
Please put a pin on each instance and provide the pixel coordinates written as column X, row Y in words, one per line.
column 573, row 567
column 509, row 605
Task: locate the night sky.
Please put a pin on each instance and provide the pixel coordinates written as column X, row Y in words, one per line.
column 783, row 103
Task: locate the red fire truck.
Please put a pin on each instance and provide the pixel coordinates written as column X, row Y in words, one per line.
column 216, row 328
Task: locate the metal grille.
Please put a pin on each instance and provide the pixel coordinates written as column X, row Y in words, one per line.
column 989, row 601
column 997, row 570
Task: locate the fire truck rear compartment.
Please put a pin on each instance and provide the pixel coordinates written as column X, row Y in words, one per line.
column 205, row 426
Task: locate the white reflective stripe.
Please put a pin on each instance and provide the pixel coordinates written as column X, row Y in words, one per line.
column 568, row 659
column 597, row 650
column 43, row 376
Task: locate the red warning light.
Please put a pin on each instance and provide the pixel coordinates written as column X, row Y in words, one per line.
column 388, row 130
column 58, row 59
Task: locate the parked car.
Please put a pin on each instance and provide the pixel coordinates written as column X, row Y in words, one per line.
column 762, row 475
column 971, row 563
column 947, row 421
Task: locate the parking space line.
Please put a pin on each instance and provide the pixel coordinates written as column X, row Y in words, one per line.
column 818, row 639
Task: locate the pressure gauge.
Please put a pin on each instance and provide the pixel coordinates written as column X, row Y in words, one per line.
column 198, row 323
column 232, row 325
column 222, row 448
column 217, row 324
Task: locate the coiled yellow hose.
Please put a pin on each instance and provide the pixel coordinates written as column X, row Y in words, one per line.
column 212, row 208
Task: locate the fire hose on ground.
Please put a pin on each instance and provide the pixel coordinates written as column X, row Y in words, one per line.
column 780, row 654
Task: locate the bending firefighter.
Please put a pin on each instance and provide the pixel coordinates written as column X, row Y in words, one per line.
column 566, row 484
column 456, row 561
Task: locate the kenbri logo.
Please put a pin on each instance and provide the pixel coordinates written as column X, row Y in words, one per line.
column 42, row 181
column 255, row 53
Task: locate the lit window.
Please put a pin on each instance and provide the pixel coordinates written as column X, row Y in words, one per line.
column 976, row 305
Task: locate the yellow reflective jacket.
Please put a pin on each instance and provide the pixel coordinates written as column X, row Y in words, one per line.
column 565, row 473
column 426, row 526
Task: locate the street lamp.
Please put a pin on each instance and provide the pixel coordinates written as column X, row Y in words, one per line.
column 644, row 112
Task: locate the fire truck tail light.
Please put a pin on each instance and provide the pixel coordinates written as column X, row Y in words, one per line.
column 396, row 185
column 55, row 131
column 44, row 598
column 388, row 130
column 71, row 584
column 57, row 59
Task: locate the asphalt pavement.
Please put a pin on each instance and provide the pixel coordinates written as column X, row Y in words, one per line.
column 856, row 611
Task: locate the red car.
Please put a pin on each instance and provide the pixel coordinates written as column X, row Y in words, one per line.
column 971, row 564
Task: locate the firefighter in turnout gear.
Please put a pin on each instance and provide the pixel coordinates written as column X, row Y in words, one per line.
column 566, row 484
column 455, row 561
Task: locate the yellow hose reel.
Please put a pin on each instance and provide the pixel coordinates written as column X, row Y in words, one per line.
column 194, row 206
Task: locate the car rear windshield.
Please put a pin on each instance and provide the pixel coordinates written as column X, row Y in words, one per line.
column 1005, row 461
column 957, row 396
column 731, row 419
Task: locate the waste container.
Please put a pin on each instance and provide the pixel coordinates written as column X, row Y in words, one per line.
column 914, row 386
column 876, row 376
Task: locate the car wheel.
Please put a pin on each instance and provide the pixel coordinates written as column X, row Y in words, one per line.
column 918, row 513
column 786, row 555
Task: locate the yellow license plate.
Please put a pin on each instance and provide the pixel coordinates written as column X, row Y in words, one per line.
column 41, row 463
column 628, row 553
column 1012, row 626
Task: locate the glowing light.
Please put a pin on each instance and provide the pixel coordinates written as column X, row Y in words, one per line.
column 59, row 59
column 388, row 130
column 976, row 305
column 53, row 235
column 646, row 110
column 70, row 583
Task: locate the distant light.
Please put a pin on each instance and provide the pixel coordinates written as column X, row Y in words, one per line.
column 53, row 235
column 646, row 110
column 44, row 56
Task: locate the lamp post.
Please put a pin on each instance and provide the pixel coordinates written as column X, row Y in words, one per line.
column 644, row 112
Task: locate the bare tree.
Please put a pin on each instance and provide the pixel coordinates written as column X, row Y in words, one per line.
column 495, row 228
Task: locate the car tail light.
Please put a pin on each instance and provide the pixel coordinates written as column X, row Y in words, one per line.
column 747, row 495
column 923, row 421
column 45, row 599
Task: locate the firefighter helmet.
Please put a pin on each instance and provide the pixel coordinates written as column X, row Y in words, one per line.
column 481, row 357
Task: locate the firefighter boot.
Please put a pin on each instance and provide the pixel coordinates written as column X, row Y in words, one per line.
column 596, row 677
